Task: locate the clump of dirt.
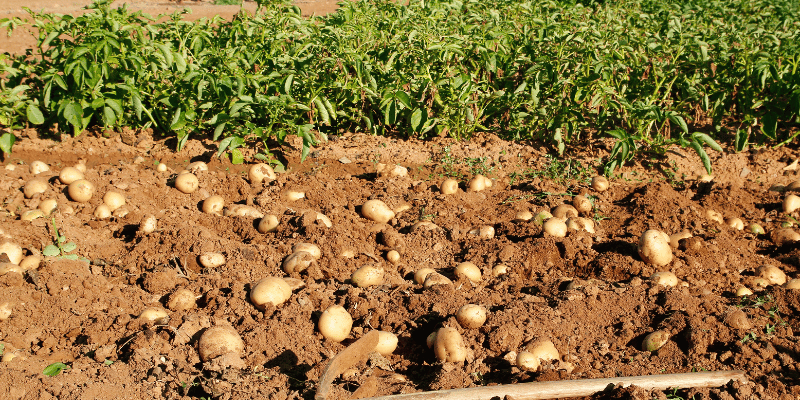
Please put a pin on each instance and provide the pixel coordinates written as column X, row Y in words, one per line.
column 588, row 293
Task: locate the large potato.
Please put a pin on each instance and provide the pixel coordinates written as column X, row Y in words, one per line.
column 449, row 346
column 654, row 248
column 377, row 211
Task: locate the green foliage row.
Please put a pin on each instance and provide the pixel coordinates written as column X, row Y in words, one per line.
column 645, row 72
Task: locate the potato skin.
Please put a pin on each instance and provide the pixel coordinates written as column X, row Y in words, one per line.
column 270, row 290
column 654, row 248
column 335, row 323
column 449, row 346
column 377, row 211
column 219, row 340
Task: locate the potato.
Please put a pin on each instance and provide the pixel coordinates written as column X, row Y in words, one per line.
column 69, row 175
column 297, row 262
column 368, row 275
column 387, row 343
column 7, row 267
column 793, row 284
column 580, row 224
column 148, row 224
column 430, row 340
column 468, row 270
column 294, row 195
column 31, row 215
column 555, row 227
column 335, row 323
column 449, row 186
column 35, row 186
column 664, row 278
column 114, row 200
column 743, row 291
column 449, row 346
column 499, row 269
column 80, row 190
column 37, row 167
column 531, row 358
column 715, row 216
column 13, row 251
column 391, row 170
column 772, row 274
column 523, row 216
column 218, row 341
column 479, row 183
column 542, row 216
column 735, row 223
column 422, row 274
column 258, row 173
column 213, row 205
column 81, row 166
column 182, row 300
column 435, row 279
column 760, row 283
column 5, row 310
column 654, row 248
column 674, row 240
column 393, row 257
column 655, row 340
column 212, row 260
column 48, row 206
column 756, row 229
column 582, row 204
column 424, row 225
column 30, row 262
column 784, row 236
column 102, row 212
column 161, row 167
column 599, row 183
column 270, row 290
column 187, row 183
column 268, row 224
column 791, row 203
column 324, row 219
column 157, row 315
column 310, row 248
column 240, row 210
column 377, row 211
column 565, row 211
column 197, row 166
column 471, row 316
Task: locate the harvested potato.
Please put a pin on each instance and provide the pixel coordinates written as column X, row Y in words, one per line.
column 422, row 274
column 582, row 204
column 387, row 343
column 735, row 223
column 655, row 340
column 599, row 183
column 187, row 183
column 499, row 269
column 531, row 358
column 310, row 248
column 114, row 200
column 756, row 229
column 664, row 278
column 182, row 300
column 12, row 250
column 555, row 227
column 715, row 216
column 449, row 186
column 449, row 346
column 335, row 323
column 654, row 248
column 793, row 284
column 468, row 270
column 523, row 216
column 197, row 166
column 37, row 167
column 791, row 203
column 324, row 219
column 368, row 275
column 471, row 316
column 435, row 279
column 565, row 211
column 102, row 212
column 377, row 211
column 297, row 262
column 268, row 224
column 80, row 190
column 157, row 315
column 212, row 259
column 5, row 310
column 213, row 205
column 743, row 291
column 270, row 290
column 30, row 262
column 674, row 240
column 772, row 274
column 391, row 170
column 31, row 215
column 393, row 256
column 48, row 206
column 241, row 210
column 35, row 186
column 542, row 216
column 294, row 195
column 69, row 175
column 784, row 236
column 148, row 224
column 479, row 183
column 218, row 341
column 259, row 173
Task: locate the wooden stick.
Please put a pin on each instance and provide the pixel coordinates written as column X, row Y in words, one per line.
column 575, row 388
column 355, row 353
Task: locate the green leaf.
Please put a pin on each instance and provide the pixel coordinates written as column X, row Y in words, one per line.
column 55, row 369
column 403, row 98
column 137, row 106
column 236, row 157
column 7, row 142
column 69, row 246
column 109, row 116
column 741, row 141
column 702, row 153
column 51, row 250
column 708, row 140
column 322, row 111
column 73, row 113
column 108, row 362
column 35, row 114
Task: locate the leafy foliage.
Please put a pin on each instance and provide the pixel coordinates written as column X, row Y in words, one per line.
column 643, row 72
column 55, row 369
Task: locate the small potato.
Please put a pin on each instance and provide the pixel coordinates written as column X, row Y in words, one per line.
column 784, row 236
column 37, row 167
column 297, row 262
column 542, row 216
column 294, row 195
column 523, row 216
column 449, row 346
column 565, row 211
column 655, row 341
column 654, row 248
column 218, row 341
column 80, row 190
column 391, row 170
column 424, row 225
column 422, row 274
column 479, row 183
column 197, row 166
column 756, row 229
column 213, row 205
column 393, row 257
column 580, row 224
column 212, row 260
column 187, row 183
column 34, row 187
column 531, row 358
column 148, row 224
column 791, row 203
column 157, row 315
column 324, row 219
column 240, row 210
column 258, row 173
column 664, row 278
column 468, row 270
column 30, row 262
column 271, row 290
column 760, row 283
column 335, row 323
column 582, row 204
column 69, row 175
column 743, row 291
column 310, row 248
column 268, row 224
column 715, row 216
column 735, row 223
column 31, row 215
column 499, row 269
column 114, row 200
column 377, row 211
column 182, row 300
column 555, row 227
column 793, row 284
column 81, row 166
column 471, row 316
column 387, row 343
column 6, row 267
column 102, row 212
column 161, row 167
column 449, row 186
column 772, row 274
column 13, row 251
column 5, row 310
column 435, row 279
column 368, row 275
column 674, row 240
column 48, row 206
column 599, row 183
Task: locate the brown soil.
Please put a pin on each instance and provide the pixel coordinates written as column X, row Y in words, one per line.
column 84, row 313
